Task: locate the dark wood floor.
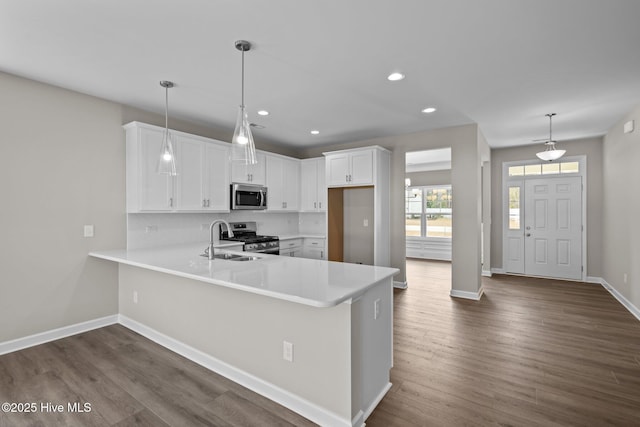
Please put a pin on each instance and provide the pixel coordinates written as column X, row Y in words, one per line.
column 531, row 352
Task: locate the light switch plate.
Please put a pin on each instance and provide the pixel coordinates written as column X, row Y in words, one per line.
column 88, row 231
column 287, row 351
column 628, row 126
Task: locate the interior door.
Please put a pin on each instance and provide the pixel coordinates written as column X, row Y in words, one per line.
column 553, row 227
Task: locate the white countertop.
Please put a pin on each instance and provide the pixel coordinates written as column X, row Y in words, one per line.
column 306, row 281
column 302, row 236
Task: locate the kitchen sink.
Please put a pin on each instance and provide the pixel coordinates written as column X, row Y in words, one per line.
column 232, row 257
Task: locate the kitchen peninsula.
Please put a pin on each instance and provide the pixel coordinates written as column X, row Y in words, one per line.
column 315, row 336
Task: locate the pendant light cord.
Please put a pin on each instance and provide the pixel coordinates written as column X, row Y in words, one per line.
column 166, row 108
column 242, row 85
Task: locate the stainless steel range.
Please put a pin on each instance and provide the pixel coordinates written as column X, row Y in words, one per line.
column 246, row 232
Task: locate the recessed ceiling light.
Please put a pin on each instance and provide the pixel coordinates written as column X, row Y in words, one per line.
column 315, row 132
column 263, row 112
column 394, row 77
column 429, row 110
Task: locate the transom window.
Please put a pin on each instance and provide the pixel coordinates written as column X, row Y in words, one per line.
column 428, row 211
column 544, row 169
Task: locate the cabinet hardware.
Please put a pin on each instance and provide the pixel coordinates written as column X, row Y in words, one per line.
column 315, row 205
column 170, row 202
column 320, row 205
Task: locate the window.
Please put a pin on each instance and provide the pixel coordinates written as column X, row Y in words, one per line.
column 428, row 211
column 544, row 168
column 514, row 208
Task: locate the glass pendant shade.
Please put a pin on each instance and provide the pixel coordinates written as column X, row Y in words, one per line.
column 550, row 153
column 167, row 159
column 243, row 149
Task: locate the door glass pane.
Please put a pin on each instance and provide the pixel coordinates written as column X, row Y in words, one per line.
column 514, row 208
column 548, row 168
column 532, row 169
column 413, row 211
column 570, row 167
column 516, row 170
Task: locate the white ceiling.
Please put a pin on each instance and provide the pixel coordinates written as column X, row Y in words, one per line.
column 323, row 64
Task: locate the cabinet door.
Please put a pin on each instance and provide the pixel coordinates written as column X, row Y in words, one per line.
column 190, row 181
column 275, row 191
column 361, row 168
column 249, row 174
column 309, row 184
column 291, row 184
column 321, row 185
column 216, row 160
column 155, row 191
column 337, row 169
column 314, row 253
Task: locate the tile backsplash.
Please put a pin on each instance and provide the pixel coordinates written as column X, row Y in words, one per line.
column 145, row 230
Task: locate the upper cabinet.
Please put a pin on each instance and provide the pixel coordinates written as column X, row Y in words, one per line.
column 250, row 174
column 202, row 183
column 147, row 191
column 283, row 183
column 203, row 178
column 350, row 167
column 313, row 193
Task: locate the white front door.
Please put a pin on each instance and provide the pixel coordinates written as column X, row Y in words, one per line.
column 547, row 239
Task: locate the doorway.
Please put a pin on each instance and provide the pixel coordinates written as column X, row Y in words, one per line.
column 543, row 222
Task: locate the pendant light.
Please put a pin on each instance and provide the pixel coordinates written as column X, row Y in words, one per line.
column 550, row 153
column 243, row 149
column 167, row 160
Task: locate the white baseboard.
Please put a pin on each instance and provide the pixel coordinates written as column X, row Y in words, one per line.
column 400, row 285
column 497, row 270
column 486, row 273
column 621, row 299
column 467, row 295
column 296, row 403
column 56, row 334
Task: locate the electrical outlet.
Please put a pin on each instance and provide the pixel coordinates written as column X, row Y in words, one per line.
column 365, row 222
column 135, row 297
column 376, row 309
column 150, row 228
column 287, row 351
column 624, row 278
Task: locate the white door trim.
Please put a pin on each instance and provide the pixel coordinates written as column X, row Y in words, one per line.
column 582, row 160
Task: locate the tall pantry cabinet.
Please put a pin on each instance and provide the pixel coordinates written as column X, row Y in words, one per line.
column 356, row 177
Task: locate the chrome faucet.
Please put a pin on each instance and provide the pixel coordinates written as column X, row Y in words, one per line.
column 213, row 224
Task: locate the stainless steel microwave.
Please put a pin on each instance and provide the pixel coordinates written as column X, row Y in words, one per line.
column 248, row 196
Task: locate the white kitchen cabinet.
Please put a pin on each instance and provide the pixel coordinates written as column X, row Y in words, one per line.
column 283, row 183
column 313, row 247
column 291, row 247
column 358, row 167
column 203, row 178
column 350, row 168
column 147, row 191
column 202, row 183
column 313, row 188
column 250, row 174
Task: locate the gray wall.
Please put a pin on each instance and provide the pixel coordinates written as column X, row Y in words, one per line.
column 467, row 147
column 63, row 167
column 621, row 209
column 358, row 239
column 592, row 148
column 442, row 177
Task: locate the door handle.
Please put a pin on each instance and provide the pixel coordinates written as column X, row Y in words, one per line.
column 528, row 234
